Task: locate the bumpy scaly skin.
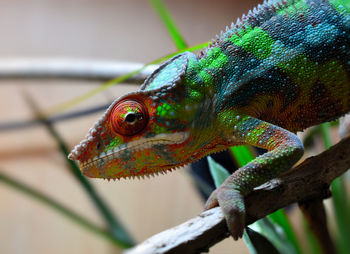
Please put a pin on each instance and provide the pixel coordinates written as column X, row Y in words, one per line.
column 280, row 69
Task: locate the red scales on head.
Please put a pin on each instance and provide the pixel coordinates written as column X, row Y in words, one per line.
column 144, row 132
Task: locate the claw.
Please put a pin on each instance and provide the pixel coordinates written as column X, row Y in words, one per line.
column 232, row 205
column 212, row 201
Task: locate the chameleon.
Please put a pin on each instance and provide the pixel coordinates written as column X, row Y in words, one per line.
column 283, row 67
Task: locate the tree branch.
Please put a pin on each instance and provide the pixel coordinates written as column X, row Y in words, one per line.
column 309, row 180
column 65, row 68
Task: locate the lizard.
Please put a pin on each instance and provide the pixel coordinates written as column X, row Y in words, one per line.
column 283, row 67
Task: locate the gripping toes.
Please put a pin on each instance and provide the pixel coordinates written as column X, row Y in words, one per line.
column 232, row 205
column 284, row 149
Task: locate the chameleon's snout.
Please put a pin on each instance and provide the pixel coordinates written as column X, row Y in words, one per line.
column 88, row 147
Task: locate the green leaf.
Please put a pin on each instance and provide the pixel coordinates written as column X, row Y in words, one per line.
column 249, row 243
column 29, row 191
column 280, row 218
column 312, row 241
column 326, row 137
column 341, row 206
column 257, row 243
column 276, row 234
column 169, row 23
column 218, row 172
column 316, row 132
column 242, row 154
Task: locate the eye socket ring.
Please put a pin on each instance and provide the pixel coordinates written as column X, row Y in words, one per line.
column 129, row 117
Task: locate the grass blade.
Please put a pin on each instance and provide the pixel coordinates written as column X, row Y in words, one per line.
column 249, row 243
column 280, row 218
column 258, row 243
column 115, row 227
column 218, row 172
column 70, row 103
column 169, row 23
column 25, row 189
column 325, row 134
column 341, row 204
column 313, row 243
column 242, row 155
column 341, row 208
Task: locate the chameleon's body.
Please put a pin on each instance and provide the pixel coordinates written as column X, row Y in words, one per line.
column 283, row 68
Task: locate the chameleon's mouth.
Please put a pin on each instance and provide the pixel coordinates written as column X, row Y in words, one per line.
column 121, row 152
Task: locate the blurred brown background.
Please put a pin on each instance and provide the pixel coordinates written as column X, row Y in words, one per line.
column 113, row 30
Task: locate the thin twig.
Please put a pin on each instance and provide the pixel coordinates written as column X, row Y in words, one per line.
column 309, row 180
column 67, row 68
column 64, row 68
column 22, row 124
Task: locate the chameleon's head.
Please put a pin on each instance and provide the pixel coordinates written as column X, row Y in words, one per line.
column 145, row 132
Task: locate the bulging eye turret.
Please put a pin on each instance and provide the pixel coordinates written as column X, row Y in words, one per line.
column 129, row 117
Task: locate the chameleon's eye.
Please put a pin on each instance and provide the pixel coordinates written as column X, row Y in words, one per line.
column 129, row 117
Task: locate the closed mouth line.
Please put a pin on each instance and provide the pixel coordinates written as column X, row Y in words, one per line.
column 143, row 143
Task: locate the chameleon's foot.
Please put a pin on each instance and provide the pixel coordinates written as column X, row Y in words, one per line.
column 232, row 204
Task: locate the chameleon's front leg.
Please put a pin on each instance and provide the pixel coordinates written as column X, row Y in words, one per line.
column 284, row 150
